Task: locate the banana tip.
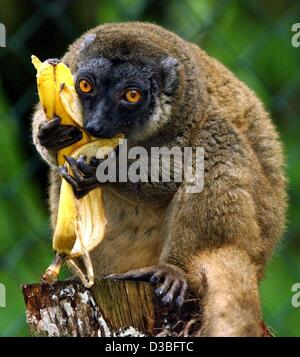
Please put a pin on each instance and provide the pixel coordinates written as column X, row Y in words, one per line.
column 36, row 62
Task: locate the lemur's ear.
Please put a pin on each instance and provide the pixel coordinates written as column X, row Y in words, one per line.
column 169, row 67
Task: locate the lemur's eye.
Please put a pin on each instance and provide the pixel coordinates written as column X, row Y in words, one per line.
column 132, row 96
column 85, row 86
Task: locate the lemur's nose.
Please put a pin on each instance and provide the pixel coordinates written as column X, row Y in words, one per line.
column 94, row 129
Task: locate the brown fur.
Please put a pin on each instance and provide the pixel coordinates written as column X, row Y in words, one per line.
column 227, row 232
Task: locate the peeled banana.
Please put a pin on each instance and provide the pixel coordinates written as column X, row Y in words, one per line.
column 80, row 222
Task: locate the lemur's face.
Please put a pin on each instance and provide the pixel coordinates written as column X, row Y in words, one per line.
column 119, row 97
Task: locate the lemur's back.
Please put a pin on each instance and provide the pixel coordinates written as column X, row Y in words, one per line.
column 232, row 100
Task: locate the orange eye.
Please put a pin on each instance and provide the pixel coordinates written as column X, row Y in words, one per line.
column 133, row 96
column 85, row 86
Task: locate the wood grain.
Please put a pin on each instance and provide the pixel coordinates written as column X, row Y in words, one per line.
column 109, row 308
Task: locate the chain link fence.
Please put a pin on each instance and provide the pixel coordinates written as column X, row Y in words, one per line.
column 252, row 38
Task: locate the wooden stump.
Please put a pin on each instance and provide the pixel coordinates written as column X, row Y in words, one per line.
column 109, row 308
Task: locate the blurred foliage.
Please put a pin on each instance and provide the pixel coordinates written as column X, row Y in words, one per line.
column 252, row 38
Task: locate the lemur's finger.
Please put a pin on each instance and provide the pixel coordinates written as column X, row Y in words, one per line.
column 95, row 162
column 139, row 274
column 48, row 125
column 63, row 172
column 156, row 277
column 84, row 167
column 169, row 297
column 181, row 296
column 163, row 289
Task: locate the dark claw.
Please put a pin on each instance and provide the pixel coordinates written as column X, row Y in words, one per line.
column 84, row 167
column 159, row 292
column 167, row 299
column 73, row 165
column 174, row 284
column 63, row 172
column 71, row 161
column 180, row 300
column 164, row 288
column 95, row 162
column 155, row 278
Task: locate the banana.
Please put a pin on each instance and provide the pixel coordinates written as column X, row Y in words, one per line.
column 55, row 84
column 80, row 223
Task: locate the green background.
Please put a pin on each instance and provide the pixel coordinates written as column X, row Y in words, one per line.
column 252, row 38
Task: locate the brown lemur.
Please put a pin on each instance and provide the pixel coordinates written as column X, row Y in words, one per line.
column 144, row 81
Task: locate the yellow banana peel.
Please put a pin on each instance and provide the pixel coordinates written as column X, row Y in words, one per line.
column 81, row 222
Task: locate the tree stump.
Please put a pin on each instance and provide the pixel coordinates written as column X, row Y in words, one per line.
column 109, row 308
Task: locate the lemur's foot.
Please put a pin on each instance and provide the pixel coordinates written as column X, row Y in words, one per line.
column 83, row 178
column 173, row 283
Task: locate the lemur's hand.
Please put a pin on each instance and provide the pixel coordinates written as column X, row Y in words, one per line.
column 173, row 287
column 84, row 177
column 55, row 136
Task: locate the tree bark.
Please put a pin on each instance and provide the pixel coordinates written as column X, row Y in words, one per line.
column 109, row 308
